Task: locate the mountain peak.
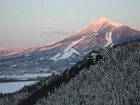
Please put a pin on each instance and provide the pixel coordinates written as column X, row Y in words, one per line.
column 98, row 25
column 103, row 20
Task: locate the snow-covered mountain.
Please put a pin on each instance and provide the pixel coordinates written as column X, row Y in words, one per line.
column 101, row 33
column 99, row 25
column 61, row 55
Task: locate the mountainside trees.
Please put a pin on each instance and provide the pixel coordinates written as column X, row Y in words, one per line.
column 109, row 77
column 114, row 80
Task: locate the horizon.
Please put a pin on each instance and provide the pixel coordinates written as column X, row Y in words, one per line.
column 31, row 23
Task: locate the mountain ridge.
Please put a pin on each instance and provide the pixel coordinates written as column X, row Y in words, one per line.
column 93, row 27
column 66, row 53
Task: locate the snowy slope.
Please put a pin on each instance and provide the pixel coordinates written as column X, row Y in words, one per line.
column 67, row 52
column 98, row 25
column 108, row 37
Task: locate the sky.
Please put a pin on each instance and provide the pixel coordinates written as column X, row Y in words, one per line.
column 30, row 23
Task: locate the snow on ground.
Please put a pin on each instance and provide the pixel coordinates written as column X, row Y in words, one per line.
column 67, row 52
column 98, row 25
column 76, row 42
column 108, row 37
column 55, row 57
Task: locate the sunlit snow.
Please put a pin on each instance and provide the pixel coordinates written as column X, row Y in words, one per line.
column 67, row 52
column 98, row 25
column 108, row 37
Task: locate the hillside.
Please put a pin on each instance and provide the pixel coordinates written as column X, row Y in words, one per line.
column 114, row 80
column 64, row 54
column 104, row 77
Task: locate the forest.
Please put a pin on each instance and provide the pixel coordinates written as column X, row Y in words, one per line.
column 107, row 76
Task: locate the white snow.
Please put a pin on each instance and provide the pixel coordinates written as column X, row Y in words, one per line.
column 76, row 42
column 55, row 57
column 86, row 52
column 67, row 52
column 108, row 37
column 98, row 24
column 13, row 65
column 41, row 58
column 112, row 44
